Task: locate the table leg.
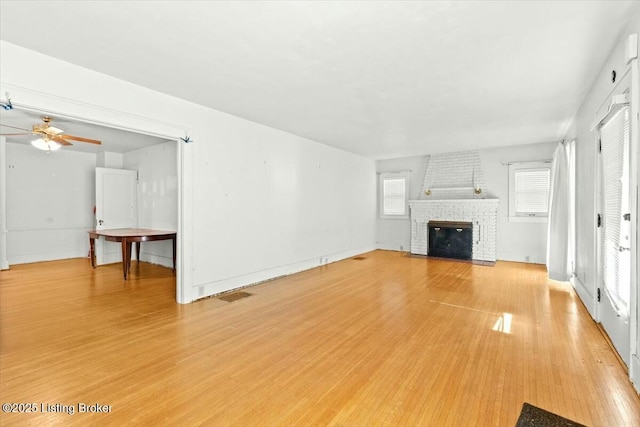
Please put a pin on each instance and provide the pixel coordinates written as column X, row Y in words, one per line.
column 129, row 253
column 125, row 256
column 138, row 251
column 92, row 251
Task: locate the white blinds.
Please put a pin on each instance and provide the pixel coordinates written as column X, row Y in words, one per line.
column 532, row 191
column 614, row 136
column 394, row 196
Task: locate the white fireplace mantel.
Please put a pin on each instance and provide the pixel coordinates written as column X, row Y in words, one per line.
column 482, row 213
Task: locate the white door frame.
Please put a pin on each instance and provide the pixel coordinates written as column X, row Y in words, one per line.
column 40, row 102
column 625, row 82
column 4, row 261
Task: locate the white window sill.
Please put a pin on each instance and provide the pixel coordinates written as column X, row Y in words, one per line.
column 528, row 219
column 394, row 216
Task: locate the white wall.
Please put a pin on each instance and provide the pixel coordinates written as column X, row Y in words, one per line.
column 272, row 203
column 255, row 202
column 517, row 241
column 50, row 198
column 157, row 196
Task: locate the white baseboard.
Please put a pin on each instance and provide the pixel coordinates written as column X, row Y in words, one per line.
column 35, row 245
column 203, row 290
column 46, row 256
column 393, row 247
column 156, row 259
column 587, row 298
column 4, row 261
column 518, row 257
column 634, row 372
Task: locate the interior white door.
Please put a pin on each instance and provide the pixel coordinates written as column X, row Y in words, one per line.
column 615, row 235
column 116, row 207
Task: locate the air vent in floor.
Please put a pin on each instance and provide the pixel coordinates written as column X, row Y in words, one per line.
column 358, row 258
column 234, row 296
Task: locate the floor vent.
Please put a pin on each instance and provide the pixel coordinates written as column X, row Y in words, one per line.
column 358, row 258
column 234, row 296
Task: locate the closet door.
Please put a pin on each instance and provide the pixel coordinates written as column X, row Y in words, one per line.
column 116, row 207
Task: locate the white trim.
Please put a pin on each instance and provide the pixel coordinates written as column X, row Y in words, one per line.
column 617, row 102
column 634, row 372
column 244, row 280
column 528, row 218
column 512, row 169
column 40, row 102
column 631, row 48
column 470, row 188
column 634, row 185
column 394, row 175
column 51, row 256
column 4, row 261
column 589, row 300
column 156, row 259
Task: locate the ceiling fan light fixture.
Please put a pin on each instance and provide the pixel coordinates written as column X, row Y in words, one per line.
column 45, row 144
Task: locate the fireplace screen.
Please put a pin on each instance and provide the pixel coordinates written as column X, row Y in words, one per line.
column 449, row 239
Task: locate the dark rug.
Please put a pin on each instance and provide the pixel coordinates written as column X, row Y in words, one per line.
column 532, row 416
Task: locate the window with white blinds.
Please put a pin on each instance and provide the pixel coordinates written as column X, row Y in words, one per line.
column 393, row 195
column 529, row 190
column 615, row 235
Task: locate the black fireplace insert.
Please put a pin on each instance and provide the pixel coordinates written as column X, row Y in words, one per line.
column 451, row 239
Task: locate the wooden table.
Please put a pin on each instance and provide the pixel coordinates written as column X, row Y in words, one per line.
column 127, row 236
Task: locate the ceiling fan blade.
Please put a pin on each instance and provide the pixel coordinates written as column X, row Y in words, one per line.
column 53, row 131
column 60, row 140
column 78, row 138
column 14, row 127
column 14, row 134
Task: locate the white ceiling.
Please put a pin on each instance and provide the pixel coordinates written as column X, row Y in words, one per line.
column 381, row 79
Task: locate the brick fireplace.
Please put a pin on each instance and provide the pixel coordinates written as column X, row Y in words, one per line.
column 481, row 213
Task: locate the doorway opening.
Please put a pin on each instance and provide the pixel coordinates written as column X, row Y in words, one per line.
column 132, row 143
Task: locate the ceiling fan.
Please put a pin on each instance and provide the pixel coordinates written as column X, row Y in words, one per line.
column 49, row 137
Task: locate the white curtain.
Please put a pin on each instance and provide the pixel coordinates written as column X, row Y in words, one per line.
column 560, row 235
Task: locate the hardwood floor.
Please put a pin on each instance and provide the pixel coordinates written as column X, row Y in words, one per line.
column 388, row 340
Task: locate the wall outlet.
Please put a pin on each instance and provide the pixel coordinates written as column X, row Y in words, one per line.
column 200, row 291
column 526, row 258
column 401, row 248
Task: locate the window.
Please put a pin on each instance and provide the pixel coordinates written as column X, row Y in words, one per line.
column 529, row 191
column 393, row 195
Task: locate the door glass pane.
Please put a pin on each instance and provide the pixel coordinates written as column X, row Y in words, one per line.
column 615, row 229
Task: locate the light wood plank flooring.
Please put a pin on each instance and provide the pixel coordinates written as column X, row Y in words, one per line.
column 385, row 341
